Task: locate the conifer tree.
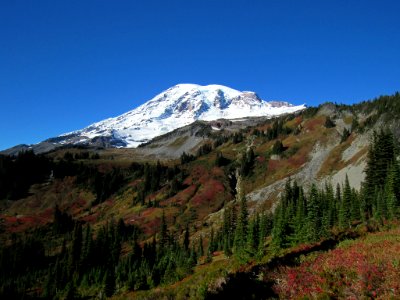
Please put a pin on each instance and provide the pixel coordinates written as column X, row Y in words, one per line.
column 390, row 195
column 329, row 123
column 241, row 226
column 355, row 206
column 163, row 233
column 345, row 207
column 280, row 224
column 109, row 283
column 381, row 156
column 200, row 250
column 75, row 253
column 300, row 219
column 212, row 245
column 186, row 240
column 253, row 237
column 332, row 205
column 313, row 215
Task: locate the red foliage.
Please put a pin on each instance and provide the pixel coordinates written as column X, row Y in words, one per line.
column 92, row 218
column 260, row 159
column 363, row 270
column 297, row 160
column 207, row 193
column 151, row 227
column 273, row 165
column 298, row 120
column 313, row 123
column 24, row 222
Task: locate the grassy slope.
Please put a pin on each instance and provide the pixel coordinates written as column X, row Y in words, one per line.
column 367, row 267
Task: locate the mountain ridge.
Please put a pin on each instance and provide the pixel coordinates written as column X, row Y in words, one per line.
column 178, row 106
column 171, row 109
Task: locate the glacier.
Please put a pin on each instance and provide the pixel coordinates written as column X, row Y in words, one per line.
column 176, row 107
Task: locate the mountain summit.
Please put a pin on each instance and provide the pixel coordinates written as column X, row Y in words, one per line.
column 175, row 107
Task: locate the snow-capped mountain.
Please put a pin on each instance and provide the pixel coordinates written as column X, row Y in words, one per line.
column 178, row 106
column 174, row 108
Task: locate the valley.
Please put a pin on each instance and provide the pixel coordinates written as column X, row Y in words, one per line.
column 293, row 206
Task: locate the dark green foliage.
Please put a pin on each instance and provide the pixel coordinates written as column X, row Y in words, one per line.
column 212, row 243
column 163, row 240
column 355, row 125
column 329, row 123
column 299, row 219
column 314, row 216
column 204, row 149
column 275, row 130
column 241, row 230
column 107, row 184
column 18, row 173
column 21, row 263
column 109, row 283
column 220, row 160
column 186, row 240
column 345, row 206
column 200, row 250
column 63, row 222
column 278, row 148
column 156, row 176
column 228, row 229
column 185, row 158
column 253, row 236
column 384, row 105
column 219, row 140
column 381, row 157
column 345, row 135
column 237, row 138
column 247, row 162
column 310, row 112
column 80, row 261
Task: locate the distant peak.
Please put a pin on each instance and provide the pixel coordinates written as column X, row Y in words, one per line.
column 185, row 86
column 175, row 107
column 204, row 89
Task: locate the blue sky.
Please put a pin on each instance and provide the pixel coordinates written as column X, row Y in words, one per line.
column 66, row 64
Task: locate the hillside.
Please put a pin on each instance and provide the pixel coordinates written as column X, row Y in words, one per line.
column 212, row 202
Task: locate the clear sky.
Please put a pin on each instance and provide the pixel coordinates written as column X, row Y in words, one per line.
column 67, row 64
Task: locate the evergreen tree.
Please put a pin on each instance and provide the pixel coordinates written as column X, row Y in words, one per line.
column 332, row 205
column 278, row 148
column 163, row 233
column 345, row 207
column 300, row 219
column 381, row 156
column 345, row 135
column 75, row 253
column 109, row 283
column 186, row 240
column 329, row 123
column 313, row 215
column 200, row 250
column 253, row 237
column 355, row 206
column 212, row 244
column 279, row 237
column 241, row 226
column 390, row 195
